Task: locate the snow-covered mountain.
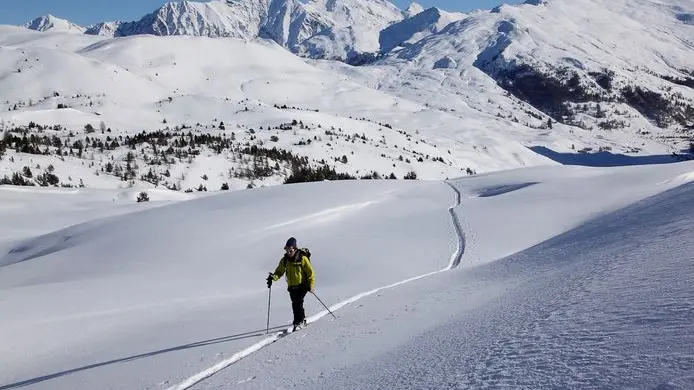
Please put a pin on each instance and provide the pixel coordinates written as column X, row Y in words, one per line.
column 560, row 58
column 413, row 9
column 107, row 29
column 599, row 66
column 218, row 18
column 52, row 23
column 335, row 29
column 457, row 93
column 416, row 27
column 255, row 95
column 354, row 30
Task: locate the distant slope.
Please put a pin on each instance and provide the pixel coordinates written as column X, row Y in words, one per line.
column 605, row 66
column 610, row 67
column 417, row 27
column 256, row 92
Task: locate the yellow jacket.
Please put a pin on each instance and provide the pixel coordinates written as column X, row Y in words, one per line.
column 298, row 270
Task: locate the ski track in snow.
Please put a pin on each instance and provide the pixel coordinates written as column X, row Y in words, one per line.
column 321, row 216
column 455, row 261
column 604, row 317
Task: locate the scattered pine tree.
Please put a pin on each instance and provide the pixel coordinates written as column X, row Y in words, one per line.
column 142, row 197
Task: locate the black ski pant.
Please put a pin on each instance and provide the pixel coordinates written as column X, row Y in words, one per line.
column 297, row 294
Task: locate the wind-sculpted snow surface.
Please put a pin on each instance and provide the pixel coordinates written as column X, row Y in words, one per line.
column 606, row 305
column 613, row 305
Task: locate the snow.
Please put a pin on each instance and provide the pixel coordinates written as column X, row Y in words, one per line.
column 107, row 29
column 136, row 83
column 62, row 207
column 417, row 27
column 413, row 9
column 431, row 89
column 212, row 19
column 639, row 41
column 527, row 274
column 607, row 305
column 316, row 28
column 468, row 271
column 50, row 22
column 188, row 265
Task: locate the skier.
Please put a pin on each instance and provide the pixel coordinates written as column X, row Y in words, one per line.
column 300, row 279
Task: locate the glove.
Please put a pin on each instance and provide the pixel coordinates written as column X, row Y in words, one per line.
column 269, row 280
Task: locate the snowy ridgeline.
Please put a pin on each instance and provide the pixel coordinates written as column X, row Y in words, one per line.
column 558, row 284
column 319, row 29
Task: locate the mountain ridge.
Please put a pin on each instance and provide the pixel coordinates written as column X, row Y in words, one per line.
column 545, row 81
column 333, row 29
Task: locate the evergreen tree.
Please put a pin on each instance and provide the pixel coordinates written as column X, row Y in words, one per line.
column 142, row 197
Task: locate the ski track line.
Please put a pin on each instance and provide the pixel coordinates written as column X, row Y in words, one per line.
column 455, row 261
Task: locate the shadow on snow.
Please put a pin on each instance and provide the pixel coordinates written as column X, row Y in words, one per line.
column 606, row 159
column 240, row 336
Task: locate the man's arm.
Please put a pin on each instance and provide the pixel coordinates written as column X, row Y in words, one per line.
column 279, row 271
column 308, row 269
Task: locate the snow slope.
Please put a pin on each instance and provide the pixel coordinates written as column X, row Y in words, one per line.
column 138, row 83
column 559, row 314
column 227, row 237
column 596, row 65
column 188, row 294
column 416, row 28
column 60, row 208
column 605, row 305
column 565, row 60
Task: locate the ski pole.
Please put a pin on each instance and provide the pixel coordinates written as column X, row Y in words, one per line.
column 326, row 308
column 269, row 294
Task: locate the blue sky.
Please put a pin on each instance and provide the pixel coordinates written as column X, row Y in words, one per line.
column 85, row 12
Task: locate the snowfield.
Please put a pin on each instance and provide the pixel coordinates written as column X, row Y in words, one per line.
column 151, row 172
column 551, row 276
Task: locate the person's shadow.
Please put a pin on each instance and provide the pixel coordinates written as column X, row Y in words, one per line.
column 218, row 340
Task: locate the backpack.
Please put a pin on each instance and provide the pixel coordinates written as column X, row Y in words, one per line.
column 303, row 252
